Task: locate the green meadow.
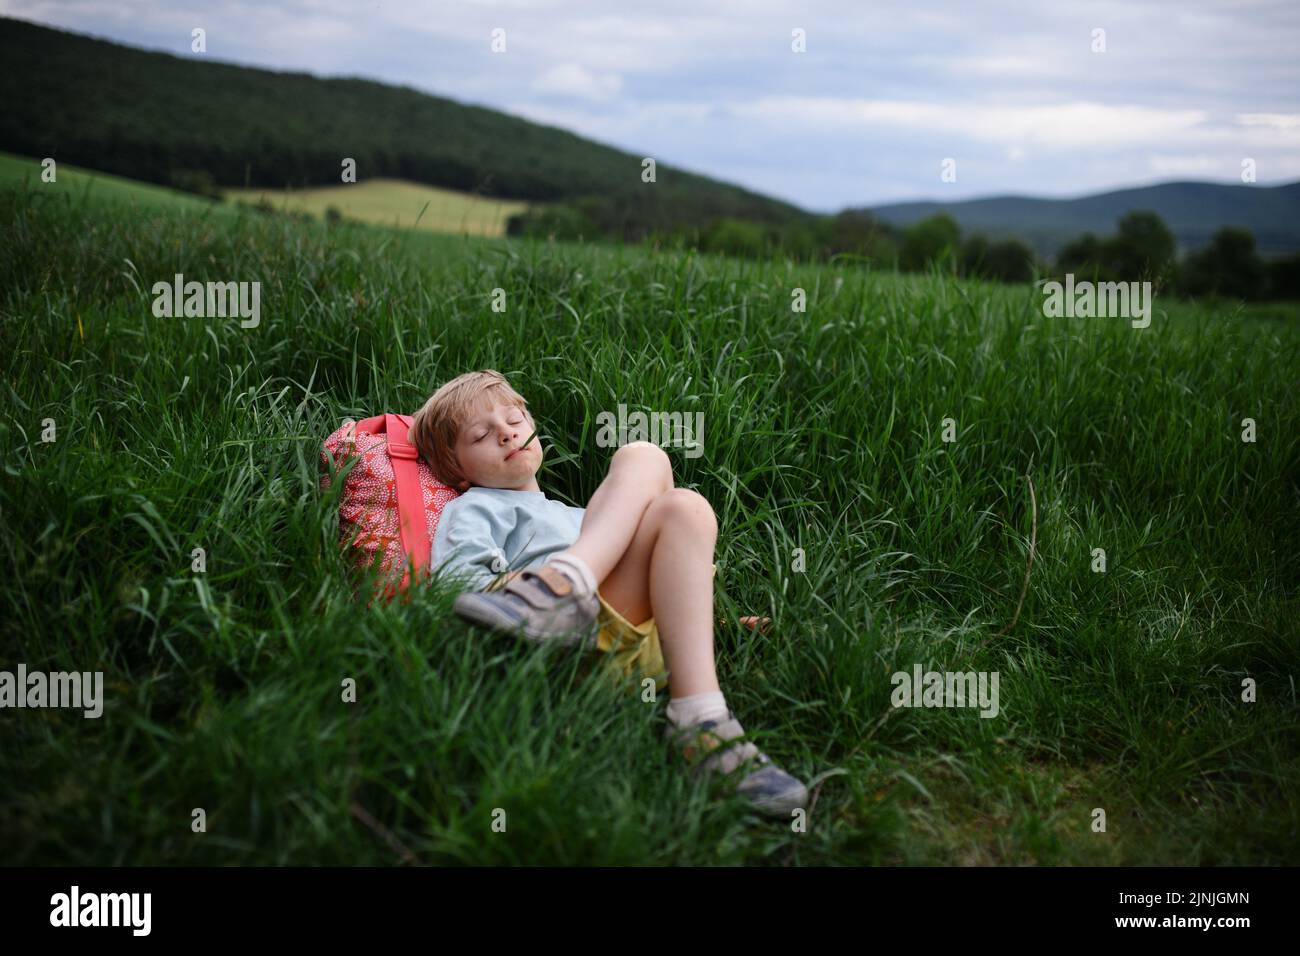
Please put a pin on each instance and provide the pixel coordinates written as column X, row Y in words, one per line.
column 129, row 441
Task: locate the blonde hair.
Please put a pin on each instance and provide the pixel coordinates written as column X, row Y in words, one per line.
column 437, row 425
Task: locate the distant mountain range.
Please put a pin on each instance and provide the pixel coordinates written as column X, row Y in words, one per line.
column 183, row 121
column 1193, row 211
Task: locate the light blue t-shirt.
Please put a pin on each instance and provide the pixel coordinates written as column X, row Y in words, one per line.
column 487, row 531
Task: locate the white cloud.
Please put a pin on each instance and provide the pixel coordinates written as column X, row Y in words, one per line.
column 577, row 82
column 1079, row 125
column 620, row 126
column 996, row 65
column 1200, row 165
column 1286, row 121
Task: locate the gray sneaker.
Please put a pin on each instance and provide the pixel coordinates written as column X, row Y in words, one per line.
column 538, row 605
column 765, row 785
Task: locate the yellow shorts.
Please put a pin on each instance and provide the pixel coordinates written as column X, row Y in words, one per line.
column 635, row 648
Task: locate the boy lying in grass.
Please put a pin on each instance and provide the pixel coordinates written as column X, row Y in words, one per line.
column 631, row 573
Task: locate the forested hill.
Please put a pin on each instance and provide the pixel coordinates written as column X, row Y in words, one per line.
column 164, row 119
column 1193, row 212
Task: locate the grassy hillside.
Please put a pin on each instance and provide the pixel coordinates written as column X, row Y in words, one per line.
column 76, row 185
column 385, row 202
column 392, row 202
column 98, row 104
column 1119, row 690
column 1193, row 211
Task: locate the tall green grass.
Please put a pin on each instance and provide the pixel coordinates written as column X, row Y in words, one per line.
column 822, row 432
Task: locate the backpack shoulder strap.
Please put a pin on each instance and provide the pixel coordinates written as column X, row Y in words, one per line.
column 410, row 496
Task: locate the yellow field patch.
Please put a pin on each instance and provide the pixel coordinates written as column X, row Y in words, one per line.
column 395, row 202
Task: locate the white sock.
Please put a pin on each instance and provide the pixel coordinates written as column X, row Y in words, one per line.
column 685, row 711
column 576, row 570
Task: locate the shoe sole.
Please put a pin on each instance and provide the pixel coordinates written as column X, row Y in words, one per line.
column 780, row 804
column 489, row 616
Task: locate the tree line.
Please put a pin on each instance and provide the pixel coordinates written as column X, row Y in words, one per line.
column 1142, row 249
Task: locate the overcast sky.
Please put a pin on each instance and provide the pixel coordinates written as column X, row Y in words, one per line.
column 885, row 92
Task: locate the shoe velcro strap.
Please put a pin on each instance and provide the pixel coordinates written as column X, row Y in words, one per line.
column 732, row 755
column 720, row 746
column 556, row 581
column 531, row 592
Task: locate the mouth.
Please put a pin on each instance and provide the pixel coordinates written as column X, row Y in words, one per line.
column 524, row 446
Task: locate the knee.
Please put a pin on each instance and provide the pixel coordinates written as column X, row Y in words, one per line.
column 647, row 457
column 688, row 507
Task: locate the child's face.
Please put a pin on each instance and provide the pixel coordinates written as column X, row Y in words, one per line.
column 491, row 452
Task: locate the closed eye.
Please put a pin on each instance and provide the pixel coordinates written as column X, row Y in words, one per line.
column 515, row 421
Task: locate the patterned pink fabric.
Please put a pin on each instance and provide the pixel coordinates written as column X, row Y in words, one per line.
column 368, row 516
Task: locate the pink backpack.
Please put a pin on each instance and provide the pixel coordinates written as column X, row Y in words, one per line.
column 391, row 501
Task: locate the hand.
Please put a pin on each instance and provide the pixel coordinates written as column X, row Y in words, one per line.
column 754, row 623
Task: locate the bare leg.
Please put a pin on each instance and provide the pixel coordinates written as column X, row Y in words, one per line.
column 638, row 474
column 667, row 571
